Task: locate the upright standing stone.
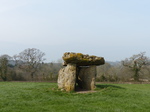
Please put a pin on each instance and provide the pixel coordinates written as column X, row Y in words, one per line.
column 67, row 78
column 87, row 77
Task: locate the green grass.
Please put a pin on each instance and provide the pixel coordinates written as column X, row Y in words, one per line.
column 44, row 97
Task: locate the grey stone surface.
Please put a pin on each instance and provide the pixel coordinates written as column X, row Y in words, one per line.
column 87, row 77
column 67, row 78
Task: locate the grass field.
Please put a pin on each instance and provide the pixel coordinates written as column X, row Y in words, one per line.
column 44, row 97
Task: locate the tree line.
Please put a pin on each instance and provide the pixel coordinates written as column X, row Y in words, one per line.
column 29, row 65
column 134, row 68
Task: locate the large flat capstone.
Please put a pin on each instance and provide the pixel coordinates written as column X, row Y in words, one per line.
column 82, row 60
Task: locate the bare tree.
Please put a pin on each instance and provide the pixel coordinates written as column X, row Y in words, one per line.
column 102, row 72
column 30, row 60
column 136, row 63
column 4, row 66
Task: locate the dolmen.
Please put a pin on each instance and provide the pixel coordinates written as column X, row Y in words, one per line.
column 79, row 71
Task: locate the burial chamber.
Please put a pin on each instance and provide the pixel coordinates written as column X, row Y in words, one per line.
column 79, row 71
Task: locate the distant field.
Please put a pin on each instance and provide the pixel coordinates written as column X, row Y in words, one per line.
column 44, row 97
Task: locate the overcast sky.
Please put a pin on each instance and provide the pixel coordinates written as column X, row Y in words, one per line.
column 113, row 29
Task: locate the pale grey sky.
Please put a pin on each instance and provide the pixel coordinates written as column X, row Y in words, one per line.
column 114, row 29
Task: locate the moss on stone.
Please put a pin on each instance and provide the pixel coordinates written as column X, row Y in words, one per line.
column 82, row 60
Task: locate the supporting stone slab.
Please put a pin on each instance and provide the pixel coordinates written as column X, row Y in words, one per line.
column 86, row 77
column 67, row 78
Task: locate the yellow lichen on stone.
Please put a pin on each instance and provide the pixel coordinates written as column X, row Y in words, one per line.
column 82, row 60
column 79, row 55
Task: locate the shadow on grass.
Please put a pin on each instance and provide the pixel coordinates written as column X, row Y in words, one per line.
column 107, row 86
